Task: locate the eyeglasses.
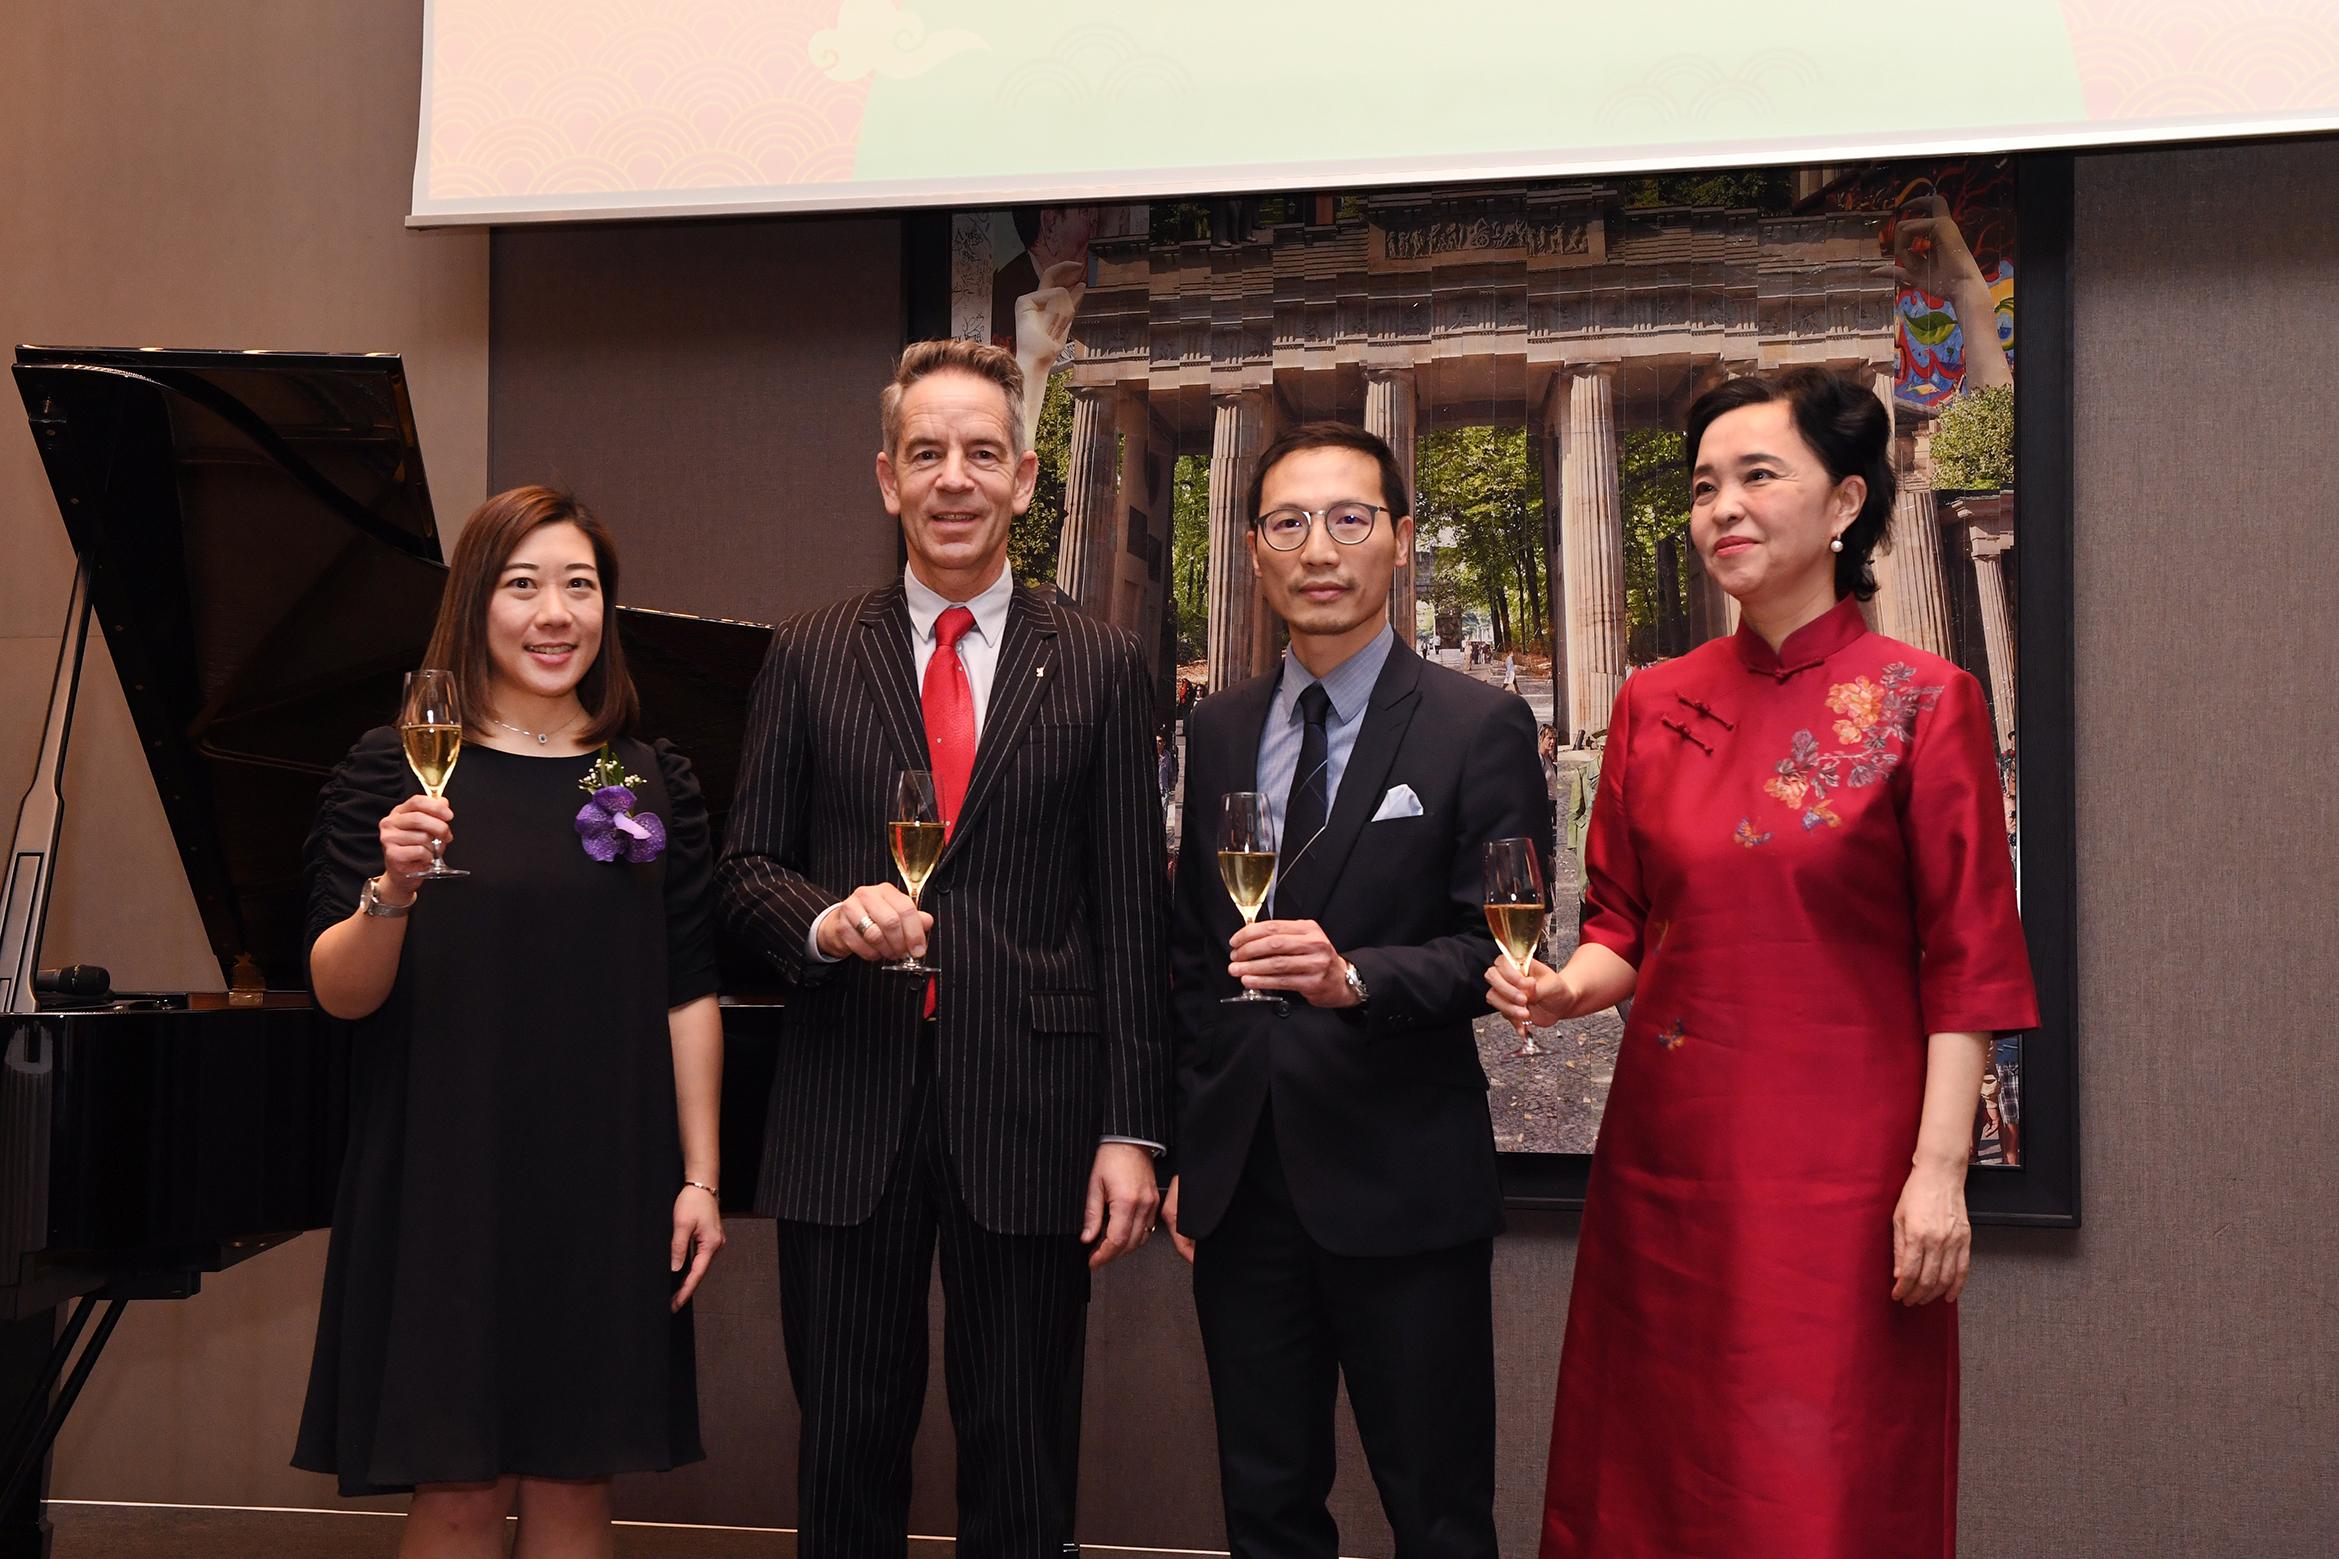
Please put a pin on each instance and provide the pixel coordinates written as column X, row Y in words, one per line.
column 1286, row 530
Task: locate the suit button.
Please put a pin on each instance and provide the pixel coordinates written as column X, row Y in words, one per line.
column 1282, row 1007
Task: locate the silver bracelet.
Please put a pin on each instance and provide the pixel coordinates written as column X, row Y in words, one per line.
column 370, row 900
column 703, row 1186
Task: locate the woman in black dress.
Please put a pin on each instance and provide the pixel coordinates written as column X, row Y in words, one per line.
column 529, row 1198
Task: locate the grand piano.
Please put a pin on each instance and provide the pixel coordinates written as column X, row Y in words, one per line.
column 256, row 541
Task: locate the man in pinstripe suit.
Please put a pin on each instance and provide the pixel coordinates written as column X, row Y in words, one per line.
column 1336, row 1185
column 1010, row 1109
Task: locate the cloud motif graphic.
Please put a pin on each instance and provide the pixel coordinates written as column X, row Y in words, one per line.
column 1093, row 66
column 1685, row 90
column 878, row 36
column 535, row 97
column 2204, row 57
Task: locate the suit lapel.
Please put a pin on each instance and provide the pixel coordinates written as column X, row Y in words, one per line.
column 1019, row 684
column 882, row 646
column 1396, row 694
column 1247, row 707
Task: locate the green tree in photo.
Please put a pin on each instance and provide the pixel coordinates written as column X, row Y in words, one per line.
column 1973, row 445
column 1480, row 481
column 1654, row 490
column 1190, row 554
column 1762, row 189
column 1038, row 533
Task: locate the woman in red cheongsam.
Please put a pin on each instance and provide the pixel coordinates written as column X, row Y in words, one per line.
column 1798, row 869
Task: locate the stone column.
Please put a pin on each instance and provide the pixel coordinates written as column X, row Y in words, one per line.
column 1592, row 545
column 1242, row 634
column 1915, row 599
column 1391, row 406
column 1084, row 558
column 1989, row 542
column 1912, row 592
column 1547, row 421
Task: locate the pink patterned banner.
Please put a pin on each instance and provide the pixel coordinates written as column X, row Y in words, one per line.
column 542, row 97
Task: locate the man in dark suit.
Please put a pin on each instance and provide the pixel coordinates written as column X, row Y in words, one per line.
column 1010, row 1107
column 1336, row 1188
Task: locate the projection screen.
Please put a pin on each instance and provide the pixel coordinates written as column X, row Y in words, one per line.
column 548, row 110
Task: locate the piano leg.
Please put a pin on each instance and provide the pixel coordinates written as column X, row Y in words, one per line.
column 24, row 1466
column 27, row 1373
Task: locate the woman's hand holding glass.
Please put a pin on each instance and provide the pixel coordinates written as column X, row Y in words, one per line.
column 407, row 834
column 1537, row 994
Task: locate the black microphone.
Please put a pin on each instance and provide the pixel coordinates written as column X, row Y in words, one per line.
column 86, row 981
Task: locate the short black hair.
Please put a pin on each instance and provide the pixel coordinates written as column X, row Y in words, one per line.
column 1332, row 435
column 1846, row 426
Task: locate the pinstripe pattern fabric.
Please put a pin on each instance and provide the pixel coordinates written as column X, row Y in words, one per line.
column 1049, row 906
column 853, row 1311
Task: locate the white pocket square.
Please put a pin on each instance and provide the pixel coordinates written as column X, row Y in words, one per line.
column 1399, row 802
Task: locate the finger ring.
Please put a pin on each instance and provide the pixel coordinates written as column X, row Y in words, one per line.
column 864, row 925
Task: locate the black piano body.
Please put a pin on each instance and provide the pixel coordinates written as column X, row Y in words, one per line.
column 256, row 541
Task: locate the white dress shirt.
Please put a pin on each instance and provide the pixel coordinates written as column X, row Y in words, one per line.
column 978, row 647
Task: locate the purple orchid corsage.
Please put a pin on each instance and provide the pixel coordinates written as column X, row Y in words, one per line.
column 610, row 826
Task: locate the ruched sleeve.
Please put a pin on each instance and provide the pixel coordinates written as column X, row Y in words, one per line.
column 1974, row 970
column 690, row 867
column 345, row 841
column 1619, row 910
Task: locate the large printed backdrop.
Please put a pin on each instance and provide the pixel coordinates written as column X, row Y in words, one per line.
column 546, row 109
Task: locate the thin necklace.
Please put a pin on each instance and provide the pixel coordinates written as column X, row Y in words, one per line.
column 543, row 738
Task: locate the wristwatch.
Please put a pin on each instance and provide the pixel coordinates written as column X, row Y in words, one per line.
column 1356, row 983
column 371, row 903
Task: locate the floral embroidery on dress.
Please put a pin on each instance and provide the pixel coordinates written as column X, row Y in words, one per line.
column 1874, row 715
column 1671, row 1039
column 1745, row 834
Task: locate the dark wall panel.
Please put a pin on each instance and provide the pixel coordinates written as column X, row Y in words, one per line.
column 2166, row 1380
column 710, row 389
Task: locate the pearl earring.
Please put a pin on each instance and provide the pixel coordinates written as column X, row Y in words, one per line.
column 1835, row 544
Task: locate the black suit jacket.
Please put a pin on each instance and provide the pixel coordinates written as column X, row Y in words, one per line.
column 1049, row 909
column 1380, row 1114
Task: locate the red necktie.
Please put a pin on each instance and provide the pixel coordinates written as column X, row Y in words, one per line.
column 949, row 703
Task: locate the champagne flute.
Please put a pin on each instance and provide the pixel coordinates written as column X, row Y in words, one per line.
column 916, row 835
column 1515, row 910
column 432, row 731
column 1246, row 862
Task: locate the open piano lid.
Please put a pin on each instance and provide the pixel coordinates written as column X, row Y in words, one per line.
column 265, row 565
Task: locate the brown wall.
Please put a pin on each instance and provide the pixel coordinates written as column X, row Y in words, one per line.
column 2160, row 1382
column 710, row 388
column 2166, row 1381
column 229, row 174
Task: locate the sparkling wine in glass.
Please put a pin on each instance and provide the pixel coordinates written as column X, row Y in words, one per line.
column 1246, row 861
column 432, row 731
column 915, row 834
column 1515, row 910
